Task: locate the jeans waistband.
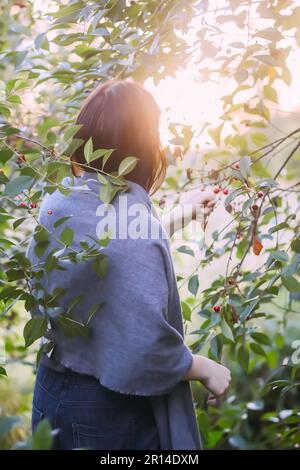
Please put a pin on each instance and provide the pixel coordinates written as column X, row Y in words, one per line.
column 51, row 372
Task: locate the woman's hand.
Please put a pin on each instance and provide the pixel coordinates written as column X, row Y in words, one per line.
column 215, row 377
column 202, row 202
column 194, row 204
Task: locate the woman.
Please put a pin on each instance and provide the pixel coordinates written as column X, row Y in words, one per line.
column 126, row 386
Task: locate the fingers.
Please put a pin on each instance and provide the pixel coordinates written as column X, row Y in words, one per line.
column 208, row 198
column 212, row 401
column 216, row 400
column 210, row 203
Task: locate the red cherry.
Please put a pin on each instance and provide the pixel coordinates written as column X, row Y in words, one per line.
column 216, row 189
column 50, row 212
column 21, row 158
column 217, row 308
column 237, row 166
column 255, row 207
column 226, row 191
column 260, row 194
column 32, row 205
column 22, row 204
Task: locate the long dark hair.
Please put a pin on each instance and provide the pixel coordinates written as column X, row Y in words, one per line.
column 123, row 115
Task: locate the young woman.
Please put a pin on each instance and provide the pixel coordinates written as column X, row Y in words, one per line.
column 126, row 386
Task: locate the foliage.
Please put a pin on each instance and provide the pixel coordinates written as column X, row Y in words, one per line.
column 61, row 54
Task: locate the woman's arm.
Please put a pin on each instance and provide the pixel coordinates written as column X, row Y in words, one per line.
column 194, row 204
column 215, row 377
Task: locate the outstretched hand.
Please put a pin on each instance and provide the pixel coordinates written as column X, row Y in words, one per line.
column 203, row 202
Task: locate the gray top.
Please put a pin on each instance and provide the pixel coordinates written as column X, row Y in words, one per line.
column 137, row 342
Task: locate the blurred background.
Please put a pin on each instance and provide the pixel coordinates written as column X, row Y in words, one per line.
column 225, row 75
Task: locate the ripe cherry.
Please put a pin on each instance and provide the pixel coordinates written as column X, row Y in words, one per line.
column 21, row 158
column 216, row 189
column 217, row 308
column 260, row 194
column 237, row 166
column 32, row 205
column 50, row 212
column 255, row 207
column 226, row 191
column 22, row 204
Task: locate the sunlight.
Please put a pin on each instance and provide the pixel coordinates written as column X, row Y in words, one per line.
column 184, row 99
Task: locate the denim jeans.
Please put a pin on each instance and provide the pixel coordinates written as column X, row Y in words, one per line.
column 90, row 416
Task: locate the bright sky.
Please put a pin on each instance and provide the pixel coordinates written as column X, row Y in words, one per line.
column 186, row 100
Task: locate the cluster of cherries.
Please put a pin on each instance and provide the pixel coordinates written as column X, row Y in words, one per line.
column 32, row 205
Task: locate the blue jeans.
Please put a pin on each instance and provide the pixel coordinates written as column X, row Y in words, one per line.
column 90, row 416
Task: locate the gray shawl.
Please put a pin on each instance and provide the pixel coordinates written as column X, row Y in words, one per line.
column 137, row 341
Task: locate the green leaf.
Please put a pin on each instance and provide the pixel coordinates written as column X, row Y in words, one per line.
column 88, row 150
column 279, row 255
column 261, row 338
column 74, row 145
column 243, row 357
column 67, row 236
column 60, row 221
column 270, row 93
column 100, row 265
column 71, row 131
column 72, row 327
column 127, row 165
column 278, row 227
column 5, row 155
column 215, row 134
column 193, row 284
column 14, row 99
column 186, row 250
column 42, row 438
column 259, row 139
column 296, row 245
column 34, row 329
column 248, row 310
column 258, row 349
column 291, row 284
column 245, row 165
column 75, row 301
column 101, row 178
column 18, row 222
column 106, row 156
column 226, row 330
column 107, row 192
column 94, row 310
column 232, row 195
column 69, row 9
column 41, row 237
column 186, row 311
column 17, row 185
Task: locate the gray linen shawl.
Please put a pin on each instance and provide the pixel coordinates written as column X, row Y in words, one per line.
column 137, row 342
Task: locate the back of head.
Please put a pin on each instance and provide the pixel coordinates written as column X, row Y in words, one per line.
column 123, row 115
